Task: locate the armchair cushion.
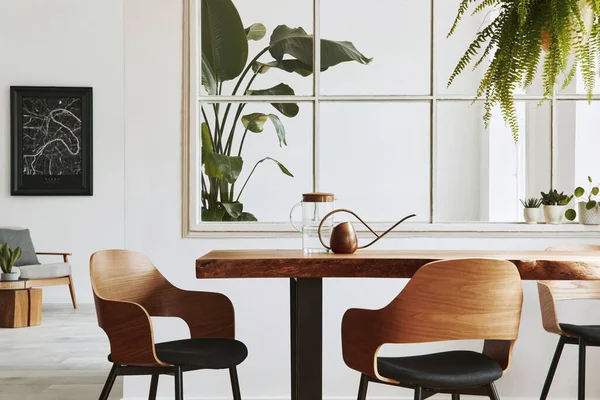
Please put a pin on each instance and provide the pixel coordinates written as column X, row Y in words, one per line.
column 44, row 271
column 20, row 238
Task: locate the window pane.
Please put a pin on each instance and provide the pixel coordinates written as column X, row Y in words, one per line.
column 270, row 193
column 395, row 33
column 272, row 13
column 375, row 158
column 481, row 174
column 450, row 50
column 577, row 144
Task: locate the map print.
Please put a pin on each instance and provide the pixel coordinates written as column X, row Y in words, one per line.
column 52, row 136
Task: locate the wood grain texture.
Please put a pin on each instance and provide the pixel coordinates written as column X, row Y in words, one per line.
column 128, row 289
column 532, row 265
column 65, row 280
column 445, row 300
column 12, row 285
column 20, row 308
column 552, row 291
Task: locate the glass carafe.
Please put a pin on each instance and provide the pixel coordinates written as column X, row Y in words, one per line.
column 314, row 207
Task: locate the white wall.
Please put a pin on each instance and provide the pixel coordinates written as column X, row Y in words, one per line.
column 68, row 43
column 140, row 208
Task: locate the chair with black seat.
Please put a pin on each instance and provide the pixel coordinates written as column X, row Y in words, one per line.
column 128, row 290
column 444, row 301
column 582, row 335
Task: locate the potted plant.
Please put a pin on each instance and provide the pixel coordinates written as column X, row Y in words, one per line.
column 513, row 42
column 8, row 258
column 531, row 209
column 589, row 211
column 225, row 58
column 554, row 205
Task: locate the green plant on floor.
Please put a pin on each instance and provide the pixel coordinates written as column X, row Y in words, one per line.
column 531, row 202
column 553, row 198
column 513, row 43
column 590, row 202
column 225, row 58
column 8, row 257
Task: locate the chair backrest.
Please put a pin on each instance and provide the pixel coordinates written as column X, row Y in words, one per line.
column 459, row 299
column 444, row 300
column 124, row 275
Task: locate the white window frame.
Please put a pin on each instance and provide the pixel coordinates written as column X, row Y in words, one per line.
column 190, row 147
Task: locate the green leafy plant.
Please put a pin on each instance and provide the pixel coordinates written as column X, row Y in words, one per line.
column 532, row 202
column 8, row 257
column 514, row 40
column 225, row 58
column 553, row 198
column 591, row 201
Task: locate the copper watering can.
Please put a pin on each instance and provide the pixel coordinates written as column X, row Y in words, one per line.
column 343, row 238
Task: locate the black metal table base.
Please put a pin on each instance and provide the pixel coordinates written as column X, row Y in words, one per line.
column 306, row 331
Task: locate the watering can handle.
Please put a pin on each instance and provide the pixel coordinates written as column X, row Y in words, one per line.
column 291, row 219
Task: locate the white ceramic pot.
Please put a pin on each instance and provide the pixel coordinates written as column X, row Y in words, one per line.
column 532, row 215
column 588, row 217
column 13, row 276
column 554, row 214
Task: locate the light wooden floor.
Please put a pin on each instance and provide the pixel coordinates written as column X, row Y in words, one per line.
column 63, row 359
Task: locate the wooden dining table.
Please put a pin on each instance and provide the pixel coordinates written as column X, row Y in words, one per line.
column 306, row 273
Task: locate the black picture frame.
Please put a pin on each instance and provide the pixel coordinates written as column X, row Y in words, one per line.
column 51, row 141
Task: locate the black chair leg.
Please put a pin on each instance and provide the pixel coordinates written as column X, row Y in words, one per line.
column 153, row 387
column 418, row 393
column 362, row 387
column 581, row 384
column 491, row 391
column 178, row 382
column 110, row 381
column 455, row 396
column 553, row 365
column 235, row 384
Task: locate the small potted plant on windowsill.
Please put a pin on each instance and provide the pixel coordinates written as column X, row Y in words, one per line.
column 8, row 258
column 531, row 209
column 589, row 211
column 554, row 205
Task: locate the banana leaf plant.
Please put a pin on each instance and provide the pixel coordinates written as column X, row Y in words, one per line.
column 225, row 58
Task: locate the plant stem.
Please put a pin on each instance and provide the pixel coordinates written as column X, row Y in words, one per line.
column 206, row 121
column 217, row 141
column 242, row 143
column 247, row 179
column 229, row 143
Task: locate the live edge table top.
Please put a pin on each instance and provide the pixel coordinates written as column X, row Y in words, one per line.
column 533, row 265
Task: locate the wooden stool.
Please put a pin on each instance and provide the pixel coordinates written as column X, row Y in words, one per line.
column 20, row 305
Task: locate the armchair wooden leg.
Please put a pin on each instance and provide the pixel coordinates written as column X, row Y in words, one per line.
column 362, row 387
column 72, row 291
column 153, row 387
column 110, row 381
column 178, row 382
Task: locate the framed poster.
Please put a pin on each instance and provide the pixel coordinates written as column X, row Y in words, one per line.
column 51, row 141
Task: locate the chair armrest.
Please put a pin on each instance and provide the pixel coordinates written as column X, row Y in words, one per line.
column 207, row 314
column 129, row 330
column 64, row 255
column 548, row 309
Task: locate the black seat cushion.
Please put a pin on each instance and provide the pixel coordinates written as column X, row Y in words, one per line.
column 586, row 331
column 447, row 370
column 203, row 353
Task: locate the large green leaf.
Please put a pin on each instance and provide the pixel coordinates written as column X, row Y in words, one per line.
column 234, row 209
column 214, row 214
column 280, row 165
column 209, row 80
column 287, row 109
column 211, row 169
column 229, row 166
column 254, row 122
column 286, row 65
column 224, row 43
column 255, row 32
column 298, row 44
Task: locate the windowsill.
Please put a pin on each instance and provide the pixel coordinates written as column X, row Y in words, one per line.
column 416, row 229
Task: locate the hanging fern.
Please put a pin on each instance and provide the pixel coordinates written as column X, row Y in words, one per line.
column 514, row 42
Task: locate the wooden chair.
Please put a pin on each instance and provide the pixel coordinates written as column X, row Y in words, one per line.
column 445, row 300
column 582, row 335
column 41, row 281
column 128, row 290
